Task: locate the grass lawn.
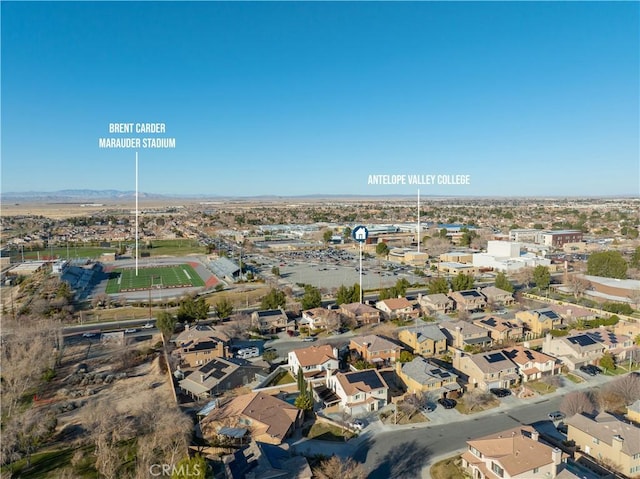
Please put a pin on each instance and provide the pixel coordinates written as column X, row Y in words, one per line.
column 540, row 387
column 125, row 279
column 462, row 407
column 450, row 468
column 573, row 378
column 64, row 253
column 402, row 418
column 286, row 378
column 177, row 247
column 328, row 432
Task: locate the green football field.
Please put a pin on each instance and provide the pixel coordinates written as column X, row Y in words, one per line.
column 172, row 276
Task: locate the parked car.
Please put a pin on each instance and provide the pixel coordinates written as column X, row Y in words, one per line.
column 357, row 424
column 447, row 403
column 147, row 326
column 428, row 408
column 130, row 330
column 310, row 339
column 557, row 416
column 590, row 369
column 500, row 392
column 89, row 335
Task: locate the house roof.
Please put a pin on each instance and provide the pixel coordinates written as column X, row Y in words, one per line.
column 428, row 331
column 200, row 332
column 466, row 328
column 314, row 355
column 424, row 372
column 496, row 324
column 582, row 342
column 521, row 355
column 492, row 291
column 606, row 337
column 359, row 309
column 515, row 450
column 438, row 298
column 274, row 415
column 374, row 343
column 468, row 294
column 361, row 381
column 492, row 361
column 209, row 375
column 396, row 303
column 606, row 428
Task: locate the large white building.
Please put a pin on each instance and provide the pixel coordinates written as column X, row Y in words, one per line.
column 506, row 256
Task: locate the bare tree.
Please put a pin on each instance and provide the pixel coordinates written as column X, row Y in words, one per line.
column 239, row 325
column 477, row 398
column 524, row 276
column 437, row 246
column 335, row 467
column 577, row 402
column 578, row 285
column 627, row 387
column 554, row 381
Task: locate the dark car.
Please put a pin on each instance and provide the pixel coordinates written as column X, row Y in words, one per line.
column 447, row 403
column 590, row 369
column 500, row 392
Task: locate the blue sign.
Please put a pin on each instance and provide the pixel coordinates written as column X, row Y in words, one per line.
column 360, row 234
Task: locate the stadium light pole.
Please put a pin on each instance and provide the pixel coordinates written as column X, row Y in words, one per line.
column 136, row 213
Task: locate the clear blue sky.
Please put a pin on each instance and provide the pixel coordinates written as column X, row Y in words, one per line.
column 292, row 98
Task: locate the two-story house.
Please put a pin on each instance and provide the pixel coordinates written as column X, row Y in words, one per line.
column 540, row 321
column 617, row 344
column 360, row 313
column 606, row 438
column 468, row 300
column 321, row 318
column 315, row 361
column 360, row 392
column 488, row 370
column 271, row 321
column 397, row 308
column 436, row 303
column 375, row 349
column 219, row 375
column 500, row 329
column 517, row 453
column 200, row 344
column 532, row 364
column 419, row 375
column 497, row 296
column 461, row 334
column 426, row 340
column 575, row 350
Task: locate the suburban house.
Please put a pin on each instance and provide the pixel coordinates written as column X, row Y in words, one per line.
column 574, row 351
column 468, row 300
column 361, row 313
column 532, row 364
column 427, row 340
column 515, row 453
column 500, row 329
column 321, row 318
column 219, row 375
column 627, row 328
column 460, row 334
column 360, row 392
column 540, row 321
column 270, row 321
column 497, row 296
column 375, row 350
column 633, row 412
column 605, row 437
column 200, row 344
column 420, row 375
column 493, row 369
column 260, row 460
column 572, row 313
column 267, row 418
column 397, row 308
column 616, row 344
column 436, row 303
column 315, row 361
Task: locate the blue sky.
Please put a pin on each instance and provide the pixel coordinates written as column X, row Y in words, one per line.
column 289, row 98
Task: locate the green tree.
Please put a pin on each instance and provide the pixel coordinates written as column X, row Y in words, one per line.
column 270, row 355
column 467, row 236
column 223, row 308
column 382, row 249
column 192, row 309
column 347, row 232
column 326, row 236
column 443, row 233
column 608, row 361
column 406, row 356
column 541, row 276
column 190, row 468
column 312, row 297
column 438, row 285
column 304, row 400
column 635, row 258
column 166, row 323
column 275, row 271
column 609, row 264
column 346, row 295
column 503, row 283
column 462, row 282
column 274, row 299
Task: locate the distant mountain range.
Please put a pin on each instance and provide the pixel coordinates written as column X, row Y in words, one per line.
column 73, row 195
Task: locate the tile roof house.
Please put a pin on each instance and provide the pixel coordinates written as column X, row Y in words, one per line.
column 493, row 369
column 575, row 350
column 220, row 375
column 360, row 392
column 532, row 364
column 514, row 453
column 321, row 318
column 425, row 340
column 617, row 344
column 271, row 321
column 468, row 300
column 315, row 361
column 540, row 321
column 361, row 313
column 400, row 308
column 375, row 349
column 500, row 329
column 436, row 303
column 262, row 461
column 267, row 418
column 463, row 333
column 497, row 296
column 605, row 437
column 419, row 375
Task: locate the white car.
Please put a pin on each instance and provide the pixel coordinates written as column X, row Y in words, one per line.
column 148, row 326
column 357, row 424
column 131, row 330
